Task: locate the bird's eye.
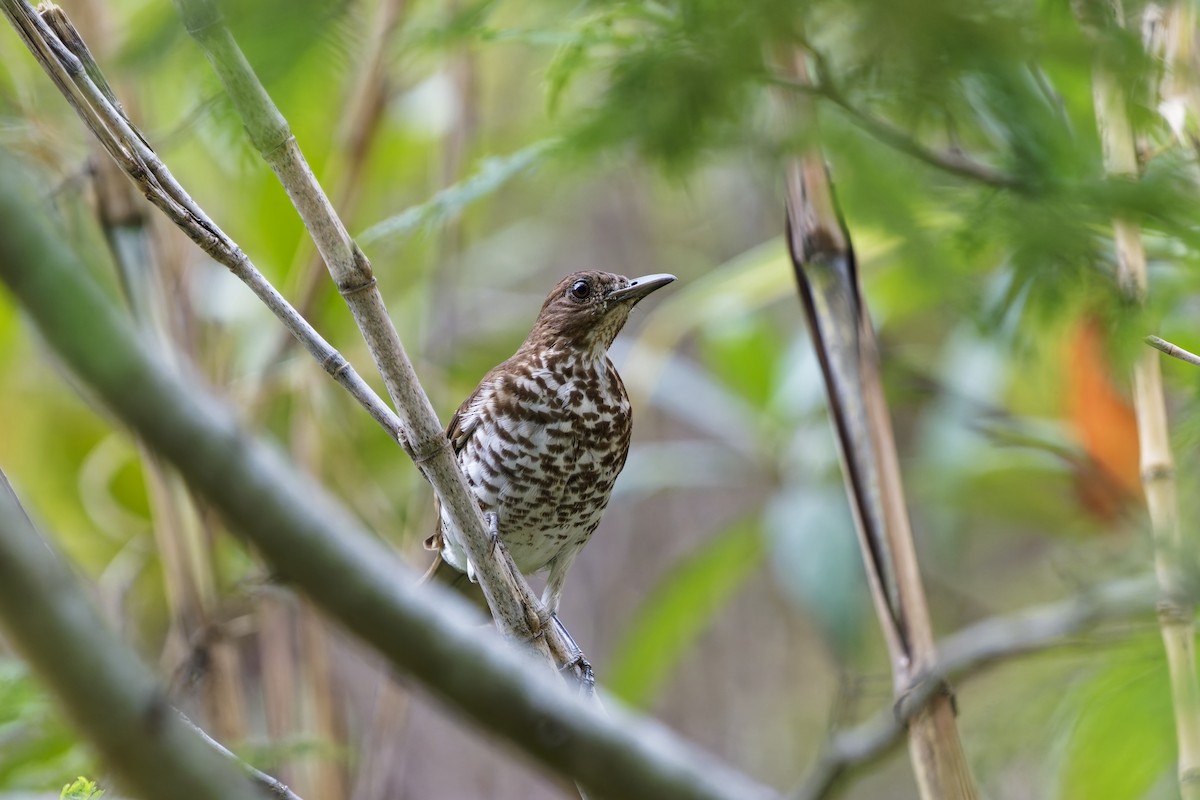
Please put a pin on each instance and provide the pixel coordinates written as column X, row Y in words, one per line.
column 580, row 290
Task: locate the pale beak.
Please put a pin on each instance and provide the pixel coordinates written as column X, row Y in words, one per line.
column 639, row 288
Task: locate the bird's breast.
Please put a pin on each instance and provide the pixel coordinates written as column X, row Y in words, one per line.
column 545, row 455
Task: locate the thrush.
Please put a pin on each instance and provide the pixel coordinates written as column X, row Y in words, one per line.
column 543, row 437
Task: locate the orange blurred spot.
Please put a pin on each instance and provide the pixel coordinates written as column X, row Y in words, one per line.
column 1104, row 422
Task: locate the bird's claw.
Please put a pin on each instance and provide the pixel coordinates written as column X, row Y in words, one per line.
column 583, row 673
column 579, row 667
column 492, row 520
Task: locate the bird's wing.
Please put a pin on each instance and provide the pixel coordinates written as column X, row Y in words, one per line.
column 459, row 430
column 465, row 421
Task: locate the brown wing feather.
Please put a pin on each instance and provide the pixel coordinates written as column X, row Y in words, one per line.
column 458, row 430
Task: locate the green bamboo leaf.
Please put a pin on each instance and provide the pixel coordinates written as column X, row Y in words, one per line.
column 448, row 204
column 679, row 609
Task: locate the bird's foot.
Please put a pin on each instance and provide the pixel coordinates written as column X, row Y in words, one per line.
column 581, row 669
column 492, row 520
column 578, row 666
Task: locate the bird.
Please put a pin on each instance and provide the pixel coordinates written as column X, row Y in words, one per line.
column 543, row 437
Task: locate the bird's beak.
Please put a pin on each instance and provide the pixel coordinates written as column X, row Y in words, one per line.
column 639, row 288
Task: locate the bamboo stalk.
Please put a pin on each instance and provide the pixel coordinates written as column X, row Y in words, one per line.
column 1176, row 610
column 224, row 689
column 845, row 343
column 361, row 111
column 322, row 722
column 326, row 770
column 275, row 617
column 1172, row 38
column 377, row 749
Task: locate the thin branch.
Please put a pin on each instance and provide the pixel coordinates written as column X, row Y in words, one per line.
column 313, row 542
column 992, row 641
column 272, row 787
column 180, row 531
column 127, row 146
column 956, row 164
column 101, row 686
column 518, row 612
column 1173, row 350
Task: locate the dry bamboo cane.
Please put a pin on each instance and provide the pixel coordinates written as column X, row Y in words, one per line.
column 845, row 342
column 1176, row 611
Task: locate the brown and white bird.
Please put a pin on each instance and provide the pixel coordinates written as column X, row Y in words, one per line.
column 545, row 434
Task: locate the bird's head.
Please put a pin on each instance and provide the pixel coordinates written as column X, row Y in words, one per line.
column 587, row 310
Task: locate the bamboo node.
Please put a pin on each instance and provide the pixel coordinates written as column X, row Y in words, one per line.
column 202, row 18
column 920, row 694
column 335, row 364
column 287, row 138
column 357, row 288
column 424, row 451
column 1170, row 612
column 1158, row 472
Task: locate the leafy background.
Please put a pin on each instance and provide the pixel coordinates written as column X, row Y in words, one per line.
column 517, row 141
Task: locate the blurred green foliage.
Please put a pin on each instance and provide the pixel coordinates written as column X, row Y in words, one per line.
column 36, row 748
column 679, row 609
column 1123, row 739
column 81, row 789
